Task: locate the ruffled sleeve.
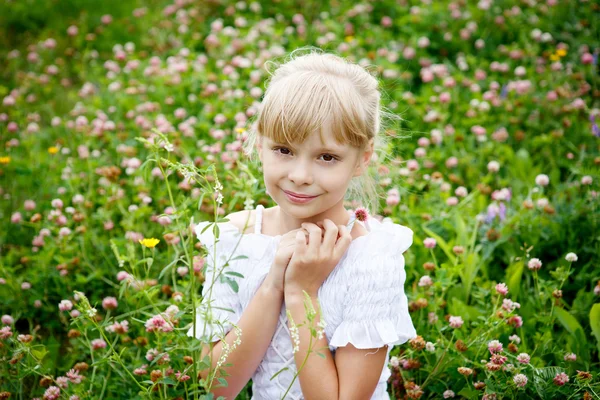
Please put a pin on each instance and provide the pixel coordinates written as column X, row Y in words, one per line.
column 225, row 307
column 375, row 311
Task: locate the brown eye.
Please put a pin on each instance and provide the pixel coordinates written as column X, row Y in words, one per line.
column 328, row 158
column 282, row 150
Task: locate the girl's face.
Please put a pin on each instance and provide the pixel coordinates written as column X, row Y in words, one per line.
column 313, row 168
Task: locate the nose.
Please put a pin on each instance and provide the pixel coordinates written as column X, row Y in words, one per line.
column 300, row 174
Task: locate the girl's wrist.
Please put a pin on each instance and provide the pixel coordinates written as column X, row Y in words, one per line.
column 293, row 291
column 270, row 288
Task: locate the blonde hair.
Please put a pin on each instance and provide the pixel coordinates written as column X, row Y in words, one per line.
column 310, row 90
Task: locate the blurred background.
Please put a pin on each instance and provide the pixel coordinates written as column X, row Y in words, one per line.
column 495, row 160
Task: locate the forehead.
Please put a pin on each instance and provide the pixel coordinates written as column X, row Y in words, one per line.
column 323, row 140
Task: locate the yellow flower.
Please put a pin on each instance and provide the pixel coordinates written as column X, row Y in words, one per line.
column 561, row 52
column 349, row 39
column 53, row 150
column 150, row 243
column 554, row 57
column 4, row 160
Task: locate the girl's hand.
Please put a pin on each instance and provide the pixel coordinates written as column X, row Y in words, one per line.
column 312, row 263
column 283, row 254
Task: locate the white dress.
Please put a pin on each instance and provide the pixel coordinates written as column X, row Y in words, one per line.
column 363, row 298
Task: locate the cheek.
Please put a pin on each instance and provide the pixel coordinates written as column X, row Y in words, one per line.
column 334, row 182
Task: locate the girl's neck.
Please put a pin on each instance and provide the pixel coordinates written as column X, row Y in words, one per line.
column 280, row 223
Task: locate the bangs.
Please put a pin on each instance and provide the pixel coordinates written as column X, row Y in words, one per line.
column 306, row 102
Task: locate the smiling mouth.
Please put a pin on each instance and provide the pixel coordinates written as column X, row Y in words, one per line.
column 298, row 200
column 300, row 196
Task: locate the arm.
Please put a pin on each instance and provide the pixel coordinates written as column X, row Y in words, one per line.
column 353, row 374
column 258, row 324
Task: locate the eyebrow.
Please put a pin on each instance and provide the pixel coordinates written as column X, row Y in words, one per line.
column 322, row 149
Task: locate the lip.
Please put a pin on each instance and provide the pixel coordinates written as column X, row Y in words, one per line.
column 302, row 196
column 294, row 198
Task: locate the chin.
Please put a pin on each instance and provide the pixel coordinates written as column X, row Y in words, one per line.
column 302, row 211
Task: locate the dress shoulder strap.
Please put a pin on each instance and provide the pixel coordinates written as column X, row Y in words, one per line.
column 258, row 219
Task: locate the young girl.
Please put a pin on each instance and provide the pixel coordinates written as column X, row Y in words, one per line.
column 315, row 137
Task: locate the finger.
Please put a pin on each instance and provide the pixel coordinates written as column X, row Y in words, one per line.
column 320, row 225
column 331, row 235
column 300, row 245
column 305, row 232
column 314, row 237
column 343, row 242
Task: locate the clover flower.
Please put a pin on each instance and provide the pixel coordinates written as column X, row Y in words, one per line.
column 360, row 214
column 158, row 324
column 571, row 257
column 52, row 393
column 502, row 289
column 65, row 305
column 109, row 303
column 456, row 322
column 98, row 344
column 494, row 346
column 520, row 380
column 523, row 358
column 429, row 243
column 534, row 264
column 5, row 332
column 560, row 379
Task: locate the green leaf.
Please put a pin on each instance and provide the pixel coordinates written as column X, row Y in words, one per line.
column 201, row 199
column 232, row 273
column 234, row 285
column 469, row 272
column 458, row 307
column 469, row 393
column 514, row 273
column 165, row 269
column 168, row 381
column 461, row 229
column 39, row 354
column 207, row 226
column 595, row 322
column 568, row 321
column 223, row 382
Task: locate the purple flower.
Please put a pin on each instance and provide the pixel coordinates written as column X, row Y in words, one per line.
column 495, row 210
column 503, row 92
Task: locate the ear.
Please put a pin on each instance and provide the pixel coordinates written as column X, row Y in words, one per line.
column 365, row 158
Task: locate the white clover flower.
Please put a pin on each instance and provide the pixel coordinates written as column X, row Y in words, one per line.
column 571, row 257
